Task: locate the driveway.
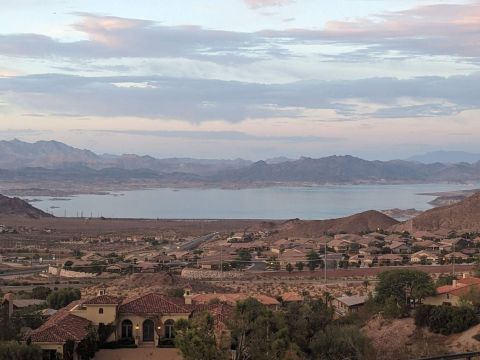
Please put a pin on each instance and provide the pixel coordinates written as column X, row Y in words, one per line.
column 139, row 353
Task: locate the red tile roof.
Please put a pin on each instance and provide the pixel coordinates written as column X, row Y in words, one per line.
column 153, row 304
column 60, row 327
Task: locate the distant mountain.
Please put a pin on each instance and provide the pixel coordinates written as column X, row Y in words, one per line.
column 45, row 161
column 18, row 154
column 446, row 157
column 462, row 216
column 347, row 169
column 17, row 207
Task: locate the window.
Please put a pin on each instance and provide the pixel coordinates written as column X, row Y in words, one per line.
column 100, row 311
column 169, row 333
column 127, row 328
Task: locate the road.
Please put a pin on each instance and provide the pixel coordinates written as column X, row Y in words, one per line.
column 193, row 244
column 23, row 272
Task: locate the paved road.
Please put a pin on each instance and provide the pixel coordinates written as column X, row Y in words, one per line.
column 22, row 272
column 193, row 244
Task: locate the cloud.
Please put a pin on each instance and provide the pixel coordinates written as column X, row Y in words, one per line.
column 433, row 30
column 441, row 29
column 258, row 4
column 115, row 37
column 198, row 100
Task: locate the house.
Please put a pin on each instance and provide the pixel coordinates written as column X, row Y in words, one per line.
column 291, row 297
column 339, row 245
column 291, row 256
column 424, row 256
column 425, row 235
column 120, row 268
column 362, row 260
column 389, row 259
column 456, row 244
column 214, row 262
column 371, row 250
column 146, row 320
column 398, row 247
column 91, row 257
column 457, row 257
column 348, row 304
column 453, row 294
column 426, row 245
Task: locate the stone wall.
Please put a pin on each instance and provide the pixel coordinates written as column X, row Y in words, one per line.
column 69, row 273
column 210, row 274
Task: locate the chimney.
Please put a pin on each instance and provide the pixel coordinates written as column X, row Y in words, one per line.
column 454, row 283
column 9, row 297
column 465, row 275
column 187, row 295
column 102, row 291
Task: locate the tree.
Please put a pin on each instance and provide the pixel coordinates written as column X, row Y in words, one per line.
column 41, row 292
column 404, row 286
column 345, row 342
column 445, row 280
column 313, row 260
column 289, row 267
column 195, row 338
column 61, row 298
column 299, row 266
column 243, row 258
column 87, row 348
column 17, row 351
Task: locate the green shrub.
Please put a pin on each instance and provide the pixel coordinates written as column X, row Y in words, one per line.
column 445, row 319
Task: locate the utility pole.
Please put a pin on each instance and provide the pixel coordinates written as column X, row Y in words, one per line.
column 453, row 262
column 221, row 262
column 325, row 264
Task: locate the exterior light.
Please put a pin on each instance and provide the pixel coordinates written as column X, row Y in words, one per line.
column 137, row 327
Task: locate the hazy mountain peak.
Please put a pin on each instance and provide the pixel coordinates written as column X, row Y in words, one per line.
column 446, row 157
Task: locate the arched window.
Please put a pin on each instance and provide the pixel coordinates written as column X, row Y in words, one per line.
column 169, row 332
column 100, row 310
column 127, row 328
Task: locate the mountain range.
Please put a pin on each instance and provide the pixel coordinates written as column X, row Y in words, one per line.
column 50, row 162
column 446, row 157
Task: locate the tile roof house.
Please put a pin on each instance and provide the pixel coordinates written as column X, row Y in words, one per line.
column 453, row 294
column 147, row 320
column 398, row 247
column 424, row 255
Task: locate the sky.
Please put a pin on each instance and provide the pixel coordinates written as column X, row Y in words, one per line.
column 256, row 79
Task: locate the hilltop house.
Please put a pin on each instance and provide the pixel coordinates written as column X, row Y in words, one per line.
column 146, row 320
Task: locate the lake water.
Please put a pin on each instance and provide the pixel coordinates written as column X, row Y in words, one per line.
column 320, row 202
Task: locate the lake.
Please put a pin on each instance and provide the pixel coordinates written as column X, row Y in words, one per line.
column 321, row 202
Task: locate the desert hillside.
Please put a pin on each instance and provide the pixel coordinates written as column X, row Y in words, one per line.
column 462, row 216
column 18, row 207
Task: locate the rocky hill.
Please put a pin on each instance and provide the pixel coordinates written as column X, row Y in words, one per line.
column 462, row 216
column 363, row 222
column 18, row 207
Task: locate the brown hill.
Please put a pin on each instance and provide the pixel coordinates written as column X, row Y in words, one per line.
column 363, row 222
column 462, row 216
column 18, row 207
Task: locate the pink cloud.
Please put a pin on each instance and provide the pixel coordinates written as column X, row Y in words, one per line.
column 442, row 29
column 257, row 4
